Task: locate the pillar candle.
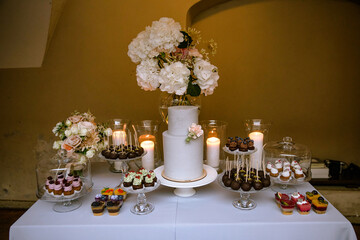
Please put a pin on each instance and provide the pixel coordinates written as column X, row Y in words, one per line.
column 148, row 159
column 256, row 157
column 146, row 137
column 118, row 137
column 213, row 152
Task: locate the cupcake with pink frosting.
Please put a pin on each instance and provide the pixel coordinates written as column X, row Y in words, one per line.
column 68, row 190
column 76, row 185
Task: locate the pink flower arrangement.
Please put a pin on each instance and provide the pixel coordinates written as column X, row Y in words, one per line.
column 195, row 131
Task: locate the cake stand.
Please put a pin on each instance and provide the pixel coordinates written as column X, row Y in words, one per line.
column 244, row 203
column 142, row 207
column 238, row 152
column 120, row 165
column 186, row 189
column 290, row 185
column 66, row 203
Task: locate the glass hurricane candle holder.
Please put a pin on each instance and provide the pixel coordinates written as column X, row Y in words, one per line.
column 146, row 135
column 215, row 139
column 120, row 135
column 257, row 130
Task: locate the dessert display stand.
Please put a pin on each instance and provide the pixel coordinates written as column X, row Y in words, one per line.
column 66, row 203
column 244, row 203
column 142, row 207
column 290, row 185
column 120, row 165
column 186, row 189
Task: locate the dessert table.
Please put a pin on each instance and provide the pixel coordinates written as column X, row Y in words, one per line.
column 207, row 215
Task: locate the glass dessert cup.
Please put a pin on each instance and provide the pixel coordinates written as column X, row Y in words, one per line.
column 142, row 206
column 244, row 202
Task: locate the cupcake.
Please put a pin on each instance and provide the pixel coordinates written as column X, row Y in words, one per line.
column 279, row 196
column 278, row 165
column 70, row 177
column 296, row 195
column 120, row 192
column 60, row 178
column 287, row 206
column 152, row 173
column 68, row 190
column 293, row 163
column 76, row 185
column 274, row 172
column 303, row 206
column 319, row 205
column 137, row 183
column 149, row 181
column 269, row 166
column 285, row 176
column 97, row 208
column 58, row 190
column 49, row 178
column 51, row 186
column 299, row 173
column 128, row 180
column 143, row 171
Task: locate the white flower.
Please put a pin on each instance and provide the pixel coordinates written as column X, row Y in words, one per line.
column 87, row 125
column 174, row 78
column 57, row 128
column 147, row 73
column 165, row 34
column 82, row 159
column 83, row 132
column 207, row 76
column 68, row 123
column 67, row 133
column 108, row 132
column 90, row 153
column 74, row 129
column 57, row 144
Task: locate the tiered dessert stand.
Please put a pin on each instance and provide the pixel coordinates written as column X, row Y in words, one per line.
column 244, row 203
column 64, row 203
column 142, row 207
column 186, row 189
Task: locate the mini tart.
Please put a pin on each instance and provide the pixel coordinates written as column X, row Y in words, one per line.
column 120, row 192
column 137, row 183
column 107, row 191
column 296, row 196
column 319, row 206
column 97, row 208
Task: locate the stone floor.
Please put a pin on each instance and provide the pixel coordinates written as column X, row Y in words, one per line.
column 9, row 216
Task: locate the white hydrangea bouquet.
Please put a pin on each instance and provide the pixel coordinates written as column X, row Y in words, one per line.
column 168, row 59
column 80, row 136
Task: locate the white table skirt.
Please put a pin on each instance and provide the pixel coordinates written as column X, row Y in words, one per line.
column 207, row 215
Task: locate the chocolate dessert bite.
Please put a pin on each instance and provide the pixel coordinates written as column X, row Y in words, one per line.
column 233, row 145
column 131, row 154
column 250, row 145
column 228, row 182
column 245, row 186
column 113, row 155
column 257, row 185
column 235, row 185
column 266, row 182
column 106, row 153
column 243, row 146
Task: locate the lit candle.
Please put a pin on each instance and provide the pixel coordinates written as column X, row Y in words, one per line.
column 148, row 159
column 213, row 152
column 256, row 157
column 118, row 137
column 146, row 137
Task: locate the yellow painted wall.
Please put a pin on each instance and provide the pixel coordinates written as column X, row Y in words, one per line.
column 292, row 62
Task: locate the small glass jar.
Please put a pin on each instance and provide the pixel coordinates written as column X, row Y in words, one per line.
column 291, row 152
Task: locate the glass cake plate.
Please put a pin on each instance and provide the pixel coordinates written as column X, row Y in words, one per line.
column 244, row 203
column 142, row 207
column 120, row 165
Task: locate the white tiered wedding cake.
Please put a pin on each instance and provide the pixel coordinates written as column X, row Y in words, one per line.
column 183, row 161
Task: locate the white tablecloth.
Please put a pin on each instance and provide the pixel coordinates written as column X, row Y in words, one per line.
column 207, row 215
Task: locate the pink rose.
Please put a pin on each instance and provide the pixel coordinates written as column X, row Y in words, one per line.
column 87, row 125
column 75, row 118
column 193, row 52
column 71, row 143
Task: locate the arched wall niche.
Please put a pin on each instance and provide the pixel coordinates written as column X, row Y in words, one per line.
column 292, row 62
